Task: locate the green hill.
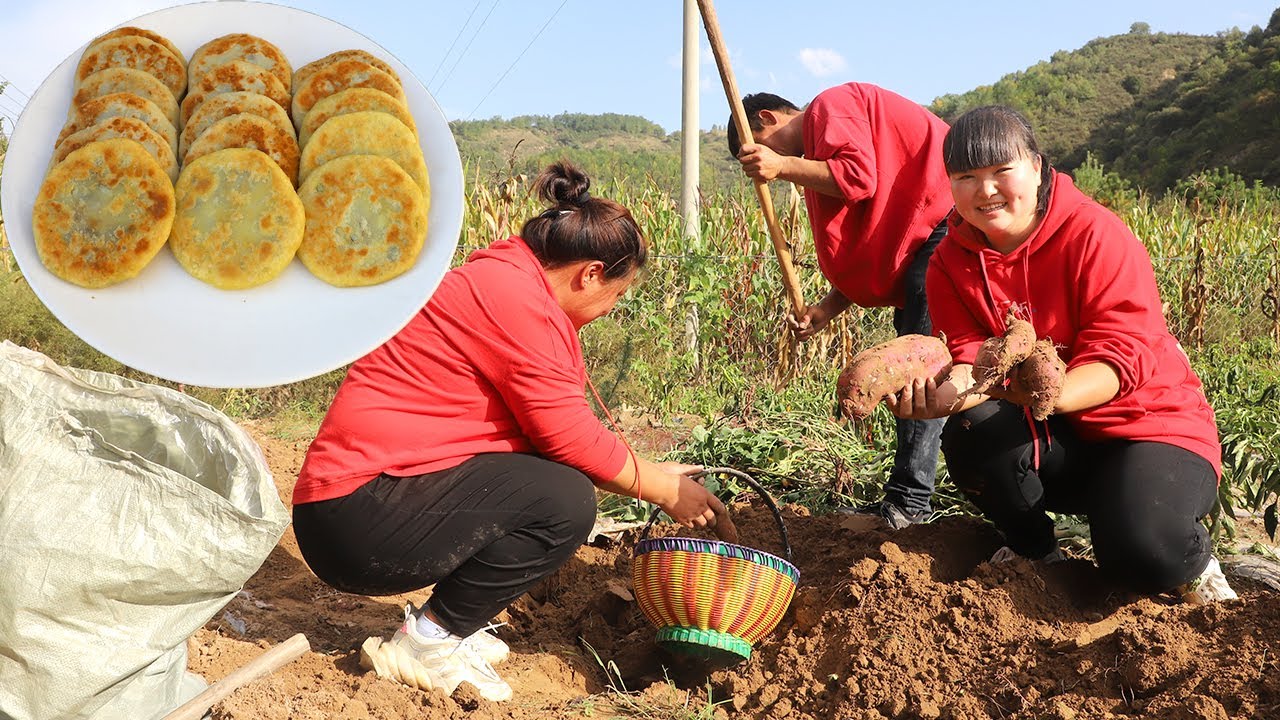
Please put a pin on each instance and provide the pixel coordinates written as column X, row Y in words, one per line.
column 1153, row 107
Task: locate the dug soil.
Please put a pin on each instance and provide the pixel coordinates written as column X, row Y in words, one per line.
column 907, row 624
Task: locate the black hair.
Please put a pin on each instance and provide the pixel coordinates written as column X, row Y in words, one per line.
column 579, row 227
column 753, row 104
column 993, row 135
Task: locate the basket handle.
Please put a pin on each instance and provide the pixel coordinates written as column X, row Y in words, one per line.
column 764, row 495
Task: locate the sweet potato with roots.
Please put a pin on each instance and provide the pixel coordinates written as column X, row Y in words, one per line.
column 880, row 371
column 999, row 355
column 1041, row 376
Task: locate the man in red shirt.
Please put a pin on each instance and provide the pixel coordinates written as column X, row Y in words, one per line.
column 870, row 163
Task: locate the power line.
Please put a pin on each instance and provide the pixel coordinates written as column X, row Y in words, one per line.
column 9, row 85
column 468, row 47
column 456, row 38
column 513, row 62
column 9, row 105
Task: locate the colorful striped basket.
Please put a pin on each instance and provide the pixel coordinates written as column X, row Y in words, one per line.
column 713, row 599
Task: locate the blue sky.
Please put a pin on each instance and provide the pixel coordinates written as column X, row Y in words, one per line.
column 485, row 58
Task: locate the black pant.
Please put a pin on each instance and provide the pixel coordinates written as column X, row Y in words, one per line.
column 483, row 532
column 1143, row 500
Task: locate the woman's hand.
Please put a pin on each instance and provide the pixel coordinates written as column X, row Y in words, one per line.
column 925, row 399
column 693, row 505
column 816, row 317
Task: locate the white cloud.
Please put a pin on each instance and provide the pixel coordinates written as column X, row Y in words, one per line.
column 822, row 61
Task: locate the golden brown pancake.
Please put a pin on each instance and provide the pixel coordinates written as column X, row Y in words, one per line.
column 366, row 221
column 240, row 46
column 353, row 100
column 238, row 222
column 121, row 127
column 102, row 213
column 138, row 53
column 306, row 70
column 98, row 109
column 337, row 76
column 114, row 80
column 247, row 130
column 234, row 76
column 365, row 133
column 226, row 105
column 142, row 32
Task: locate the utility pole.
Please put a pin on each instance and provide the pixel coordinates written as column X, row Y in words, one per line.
column 690, row 136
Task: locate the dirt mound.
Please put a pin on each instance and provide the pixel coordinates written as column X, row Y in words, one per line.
column 907, row 624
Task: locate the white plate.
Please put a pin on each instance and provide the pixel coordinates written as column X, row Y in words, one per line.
column 167, row 323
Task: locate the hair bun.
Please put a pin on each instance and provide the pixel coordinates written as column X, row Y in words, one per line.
column 563, row 183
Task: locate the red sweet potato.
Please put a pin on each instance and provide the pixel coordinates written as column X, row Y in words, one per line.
column 999, row 355
column 886, row 368
column 1041, row 375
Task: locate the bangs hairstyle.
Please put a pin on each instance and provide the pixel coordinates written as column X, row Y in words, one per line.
column 579, row 227
column 995, row 135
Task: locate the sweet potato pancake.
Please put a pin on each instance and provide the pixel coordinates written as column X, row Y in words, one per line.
column 142, row 32
column 234, row 76
column 306, row 70
column 102, row 108
column 365, row 133
column 102, row 213
column 121, row 127
column 115, row 80
column 240, row 46
column 247, row 130
column 366, row 221
column 337, row 76
column 239, row 221
column 353, row 100
column 226, row 105
column 138, row 53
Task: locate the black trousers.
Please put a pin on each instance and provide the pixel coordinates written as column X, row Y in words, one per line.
column 483, row 533
column 1143, row 500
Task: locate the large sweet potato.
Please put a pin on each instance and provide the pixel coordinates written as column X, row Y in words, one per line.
column 886, row 368
column 1041, row 376
column 999, row 355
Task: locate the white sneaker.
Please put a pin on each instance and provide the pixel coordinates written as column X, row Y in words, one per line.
column 489, row 646
column 432, row 663
column 1211, row 586
column 1006, row 553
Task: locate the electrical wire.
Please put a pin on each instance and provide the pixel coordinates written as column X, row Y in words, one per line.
column 468, row 47
column 9, row 85
column 513, row 62
column 453, row 44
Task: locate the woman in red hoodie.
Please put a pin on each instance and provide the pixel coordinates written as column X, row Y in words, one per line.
column 1132, row 443
column 462, row 452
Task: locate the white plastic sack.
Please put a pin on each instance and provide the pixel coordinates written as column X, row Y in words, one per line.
column 129, row 515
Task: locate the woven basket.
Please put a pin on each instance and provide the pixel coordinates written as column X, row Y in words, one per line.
column 709, row 598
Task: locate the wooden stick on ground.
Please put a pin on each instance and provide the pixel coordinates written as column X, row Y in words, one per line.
column 259, row 667
column 789, row 278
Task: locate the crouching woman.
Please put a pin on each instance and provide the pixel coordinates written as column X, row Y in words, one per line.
column 1132, row 443
column 462, row 453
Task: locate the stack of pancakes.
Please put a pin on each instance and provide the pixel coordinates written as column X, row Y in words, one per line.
column 239, row 221
column 107, row 203
column 222, row 191
column 363, row 178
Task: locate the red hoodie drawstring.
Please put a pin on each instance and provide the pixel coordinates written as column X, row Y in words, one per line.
column 635, row 462
column 995, row 312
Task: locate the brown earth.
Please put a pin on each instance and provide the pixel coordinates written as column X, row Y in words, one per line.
column 908, row 624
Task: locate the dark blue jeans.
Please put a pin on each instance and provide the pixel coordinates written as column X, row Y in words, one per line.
column 915, row 463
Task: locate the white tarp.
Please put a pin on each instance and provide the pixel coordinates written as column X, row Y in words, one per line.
column 129, row 515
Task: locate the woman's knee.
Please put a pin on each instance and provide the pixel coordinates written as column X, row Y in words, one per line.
column 1151, row 559
column 975, row 439
column 569, row 502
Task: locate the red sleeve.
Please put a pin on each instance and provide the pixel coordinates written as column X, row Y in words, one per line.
column 948, row 311
column 1120, row 320
column 842, row 138
column 527, row 350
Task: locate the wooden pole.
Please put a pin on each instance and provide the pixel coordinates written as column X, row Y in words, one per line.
column 789, row 278
column 259, row 667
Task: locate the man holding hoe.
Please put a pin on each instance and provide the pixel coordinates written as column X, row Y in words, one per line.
column 870, row 163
